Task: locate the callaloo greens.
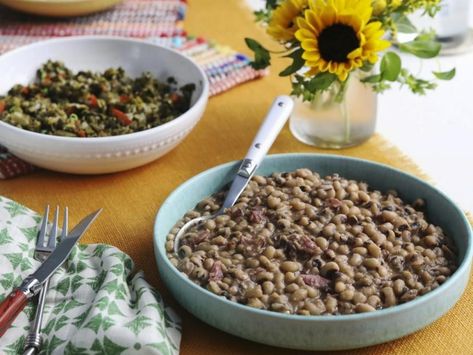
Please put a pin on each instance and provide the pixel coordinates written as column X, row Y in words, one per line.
column 89, row 104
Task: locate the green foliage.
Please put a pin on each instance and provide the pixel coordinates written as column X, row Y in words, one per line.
column 297, row 62
column 446, row 75
column 390, row 66
column 423, row 46
column 403, row 24
column 5, row 237
column 262, row 57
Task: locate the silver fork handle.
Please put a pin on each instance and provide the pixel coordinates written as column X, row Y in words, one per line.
column 34, row 339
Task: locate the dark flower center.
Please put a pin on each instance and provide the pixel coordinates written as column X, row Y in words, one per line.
column 336, row 42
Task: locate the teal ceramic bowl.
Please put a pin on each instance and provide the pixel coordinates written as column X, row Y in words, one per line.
column 317, row 332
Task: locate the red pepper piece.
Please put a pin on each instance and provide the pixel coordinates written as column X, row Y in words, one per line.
column 124, row 99
column 2, row 106
column 92, row 100
column 174, row 97
column 121, row 116
column 25, row 90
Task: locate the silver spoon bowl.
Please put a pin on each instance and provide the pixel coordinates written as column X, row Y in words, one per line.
column 269, row 130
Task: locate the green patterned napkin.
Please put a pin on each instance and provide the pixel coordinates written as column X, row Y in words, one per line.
column 95, row 305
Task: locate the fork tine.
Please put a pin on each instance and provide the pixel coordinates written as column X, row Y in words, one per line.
column 53, row 234
column 42, row 230
column 65, row 223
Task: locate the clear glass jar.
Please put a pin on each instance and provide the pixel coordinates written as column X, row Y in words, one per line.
column 331, row 121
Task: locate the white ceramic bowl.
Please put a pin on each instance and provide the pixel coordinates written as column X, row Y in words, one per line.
column 60, row 8
column 102, row 154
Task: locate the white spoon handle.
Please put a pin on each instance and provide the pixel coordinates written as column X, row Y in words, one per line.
column 269, row 130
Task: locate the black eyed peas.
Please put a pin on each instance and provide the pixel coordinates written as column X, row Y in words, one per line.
column 297, row 243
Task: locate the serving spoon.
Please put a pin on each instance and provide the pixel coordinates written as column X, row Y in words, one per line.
column 269, row 130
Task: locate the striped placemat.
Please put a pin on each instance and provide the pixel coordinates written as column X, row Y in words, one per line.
column 159, row 21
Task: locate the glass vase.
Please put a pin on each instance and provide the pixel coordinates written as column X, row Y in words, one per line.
column 336, row 120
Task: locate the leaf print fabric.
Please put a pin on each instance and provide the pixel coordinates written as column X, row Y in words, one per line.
column 95, row 303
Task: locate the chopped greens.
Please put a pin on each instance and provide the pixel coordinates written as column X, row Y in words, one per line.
column 89, row 104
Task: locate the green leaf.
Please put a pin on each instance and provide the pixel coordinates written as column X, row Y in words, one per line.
column 390, row 66
column 446, row 75
column 372, row 79
column 403, row 24
column 72, row 304
column 423, row 46
column 14, row 208
column 80, row 319
column 112, row 348
column 7, row 280
column 99, row 250
column 102, row 303
column 71, row 349
column 321, row 81
column 15, row 259
column 97, row 282
column 76, row 282
column 262, row 56
column 138, row 324
column 30, row 233
column 81, row 266
column 50, row 346
column 63, row 286
column 117, row 269
column 49, row 326
column 97, row 347
column 5, row 237
column 61, row 322
column 25, row 264
column 297, row 62
column 16, row 347
column 98, row 322
column 367, row 67
column 113, row 309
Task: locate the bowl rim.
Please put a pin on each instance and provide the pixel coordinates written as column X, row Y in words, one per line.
column 160, row 251
column 203, row 97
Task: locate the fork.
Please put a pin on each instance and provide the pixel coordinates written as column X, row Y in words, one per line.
column 42, row 250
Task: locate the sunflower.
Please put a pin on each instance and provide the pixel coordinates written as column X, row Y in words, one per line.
column 337, row 37
column 283, row 20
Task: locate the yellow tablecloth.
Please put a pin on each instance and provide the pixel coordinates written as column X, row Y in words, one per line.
column 131, row 199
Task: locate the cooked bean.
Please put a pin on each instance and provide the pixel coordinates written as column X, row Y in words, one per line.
column 329, row 267
column 298, row 243
column 254, row 292
column 398, row 286
column 185, row 250
column 371, row 263
column 364, row 307
column 322, row 242
column 347, row 295
column 289, row 266
column 340, row 287
column 299, row 295
column 374, row 250
column 360, row 250
column 389, row 297
column 268, row 287
column 255, row 303
column 331, row 304
column 264, row 275
column 355, row 260
column 359, row 297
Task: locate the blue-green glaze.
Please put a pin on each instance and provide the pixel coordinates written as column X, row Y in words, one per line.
column 317, row 332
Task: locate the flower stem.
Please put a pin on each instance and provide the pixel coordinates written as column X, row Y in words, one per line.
column 346, row 119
